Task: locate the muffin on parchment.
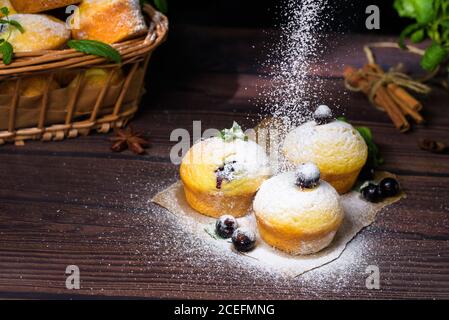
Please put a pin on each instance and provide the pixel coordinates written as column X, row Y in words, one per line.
column 298, row 213
column 334, row 146
column 221, row 175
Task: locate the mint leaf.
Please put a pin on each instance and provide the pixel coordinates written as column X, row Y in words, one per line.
column 366, row 133
column 433, row 57
column 161, row 5
column 96, row 48
column 374, row 157
column 13, row 23
column 234, row 133
column 421, row 10
column 6, row 51
column 407, row 32
column 4, row 11
column 17, row 25
column 425, row 10
column 418, row 36
column 405, row 8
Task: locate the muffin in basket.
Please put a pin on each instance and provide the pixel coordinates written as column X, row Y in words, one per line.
column 110, row 21
column 55, row 92
column 222, row 174
column 34, row 6
column 334, row 146
column 298, row 213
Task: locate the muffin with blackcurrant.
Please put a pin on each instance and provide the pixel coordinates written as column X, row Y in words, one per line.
column 222, row 174
column 298, row 213
column 334, row 146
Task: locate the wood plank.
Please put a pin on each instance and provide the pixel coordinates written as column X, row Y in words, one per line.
column 108, row 232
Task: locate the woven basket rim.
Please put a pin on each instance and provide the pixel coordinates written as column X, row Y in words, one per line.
column 130, row 50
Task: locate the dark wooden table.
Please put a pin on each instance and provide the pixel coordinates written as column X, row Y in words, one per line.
column 76, row 203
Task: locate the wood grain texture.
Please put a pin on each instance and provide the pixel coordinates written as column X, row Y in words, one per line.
column 75, row 202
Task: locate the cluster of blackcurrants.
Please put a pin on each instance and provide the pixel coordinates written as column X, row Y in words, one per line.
column 387, row 188
column 244, row 239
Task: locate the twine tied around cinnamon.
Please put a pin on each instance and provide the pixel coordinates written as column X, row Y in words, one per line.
column 392, row 76
column 388, row 90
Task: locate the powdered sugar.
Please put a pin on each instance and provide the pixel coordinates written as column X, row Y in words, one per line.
column 42, row 32
column 323, row 111
column 336, row 146
column 238, row 157
column 279, row 198
column 307, row 172
column 290, row 97
column 358, row 214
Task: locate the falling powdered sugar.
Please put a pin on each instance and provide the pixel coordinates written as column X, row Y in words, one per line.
column 291, row 96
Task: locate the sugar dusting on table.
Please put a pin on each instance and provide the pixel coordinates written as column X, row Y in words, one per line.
column 289, row 100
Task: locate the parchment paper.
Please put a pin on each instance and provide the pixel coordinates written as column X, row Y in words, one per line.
column 358, row 215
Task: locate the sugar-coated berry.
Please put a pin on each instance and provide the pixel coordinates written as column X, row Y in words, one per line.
column 389, row 187
column 307, row 175
column 244, row 239
column 323, row 115
column 371, row 193
column 225, row 226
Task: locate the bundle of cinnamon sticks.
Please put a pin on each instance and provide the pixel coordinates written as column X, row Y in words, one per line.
column 385, row 94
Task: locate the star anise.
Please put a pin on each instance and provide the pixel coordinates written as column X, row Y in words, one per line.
column 129, row 139
column 432, row 146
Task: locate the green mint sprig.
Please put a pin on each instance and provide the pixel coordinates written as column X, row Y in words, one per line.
column 234, row 133
column 6, row 49
column 96, row 48
column 374, row 157
column 431, row 22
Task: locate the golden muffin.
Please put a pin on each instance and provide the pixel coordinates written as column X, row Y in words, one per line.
column 98, row 77
column 30, row 87
column 221, row 176
column 42, row 32
column 34, row 6
column 110, row 21
column 335, row 147
column 297, row 213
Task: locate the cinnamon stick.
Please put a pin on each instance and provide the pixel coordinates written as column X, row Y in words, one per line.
column 399, row 92
column 386, row 102
column 392, row 110
column 404, row 106
column 381, row 98
column 403, row 95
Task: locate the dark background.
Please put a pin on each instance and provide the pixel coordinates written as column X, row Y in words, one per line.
column 202, row 33
column 349, row 14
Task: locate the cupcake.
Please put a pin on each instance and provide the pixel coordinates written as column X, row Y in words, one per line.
column 334, row 146
column 298, row 213
column 221, row 175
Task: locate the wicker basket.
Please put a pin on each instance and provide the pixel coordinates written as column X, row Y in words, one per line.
column 56, row 114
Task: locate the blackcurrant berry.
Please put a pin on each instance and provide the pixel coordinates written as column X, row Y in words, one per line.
column 307, row 175
column 225, row 226
column 323, row 115
column 244, row 239
column 389, row 187
column 371, row 193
